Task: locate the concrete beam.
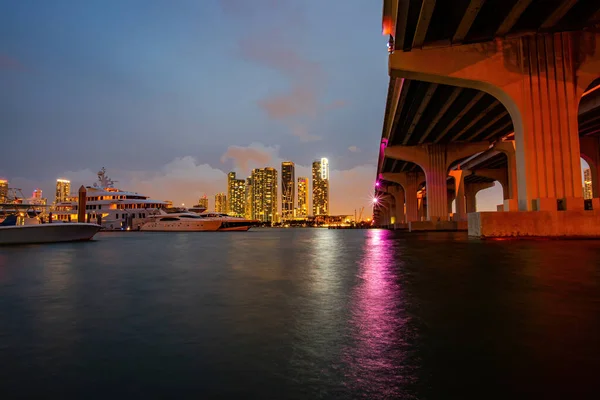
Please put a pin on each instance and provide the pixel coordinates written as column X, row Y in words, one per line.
column 467, row 20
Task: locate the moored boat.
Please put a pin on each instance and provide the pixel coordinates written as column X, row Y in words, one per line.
column 229, row 223
column 179, row 221
column 22, row 229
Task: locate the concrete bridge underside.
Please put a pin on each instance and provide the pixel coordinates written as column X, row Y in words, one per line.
column 492, row 91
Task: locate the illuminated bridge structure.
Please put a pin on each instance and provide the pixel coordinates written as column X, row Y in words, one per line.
column 491, row 90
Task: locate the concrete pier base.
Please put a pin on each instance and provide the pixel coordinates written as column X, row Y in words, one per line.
column 441, row 226
column 558, row 224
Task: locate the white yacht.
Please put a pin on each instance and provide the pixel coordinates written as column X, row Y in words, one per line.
column 28, row 228
column 229, row 223
column 112, row 208
column 175, row 220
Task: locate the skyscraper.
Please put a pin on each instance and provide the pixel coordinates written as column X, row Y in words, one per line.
column 302, row 197
column 288, row 190
column 264, row 194
column 220, row 202
column 3, row 190
column 235, row 195
column 248, row 189
column 63, row 190
column 203, row 202
column 320, row 187
column 587, row 184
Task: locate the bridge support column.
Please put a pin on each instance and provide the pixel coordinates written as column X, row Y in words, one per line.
column 511, row 202
column 435, row 159
column 410, row 182
column 471, row 190
column 539, row 79
column 398, row 193
column 459, row 184
column 450, row 196
column 590, row 151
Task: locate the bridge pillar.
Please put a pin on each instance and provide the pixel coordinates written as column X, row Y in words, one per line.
column 450, row 196
column 539, row 79
column 435, row 159
column 459, row 184
column 590, row 151
column 410, row 182
column 398, row 194
column 507, row 147
column 471, row 190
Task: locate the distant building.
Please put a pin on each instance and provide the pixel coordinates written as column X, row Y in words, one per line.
column 236, row 195
column 3, row 190
column 302, row 211
column 203, row 202
column 221, row 203
column 168, row 203
column 36, row 198
column 587, row 184
column 288, row 190
column 63, row 190
column 248, row 193
column 264, row 194
column 320, row 187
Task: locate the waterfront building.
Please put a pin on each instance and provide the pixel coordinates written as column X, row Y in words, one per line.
column 264, row 194
column 302, row 210
column 248, row 195
column 3, row 190
column 37, row 198
column 320, row 187
column 63, row 190
column 203, row 202
column 221, row 203
column 236, row 195
column 587, row 184
column 288, row 190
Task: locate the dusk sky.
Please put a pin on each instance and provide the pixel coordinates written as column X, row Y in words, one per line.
column 171, row 95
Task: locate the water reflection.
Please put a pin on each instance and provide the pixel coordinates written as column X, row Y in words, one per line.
column 378, row 363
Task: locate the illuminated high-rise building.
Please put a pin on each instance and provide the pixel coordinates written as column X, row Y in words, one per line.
column 302, row 198
column 248, row 192
column 288, row 190
column 320, row 187
column 3, row 190
column 264, row 194
column 236, row 195
column 63, row 190
column 36, row 198
column 203, row 202
column 221, row 203
column 587, row 184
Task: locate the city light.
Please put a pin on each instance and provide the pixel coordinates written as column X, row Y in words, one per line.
column 375, row 200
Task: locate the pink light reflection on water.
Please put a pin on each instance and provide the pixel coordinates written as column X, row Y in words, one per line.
column 377, row 360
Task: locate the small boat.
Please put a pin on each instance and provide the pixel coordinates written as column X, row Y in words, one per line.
column 179, row 221
column 23, row 229
column 229, row 223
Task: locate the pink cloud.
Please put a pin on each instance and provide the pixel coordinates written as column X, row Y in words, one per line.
column 272, row 42
column 10, row 63
column 245, row 158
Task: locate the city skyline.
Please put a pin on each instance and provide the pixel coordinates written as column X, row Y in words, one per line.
column 187, row 119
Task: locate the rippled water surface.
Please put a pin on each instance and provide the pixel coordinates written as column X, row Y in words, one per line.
column 300, row 313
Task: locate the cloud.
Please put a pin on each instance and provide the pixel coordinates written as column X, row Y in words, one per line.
column 354, row 149
column 10, row 63
column 273, row 41
column 245, row 158
column 302, row 133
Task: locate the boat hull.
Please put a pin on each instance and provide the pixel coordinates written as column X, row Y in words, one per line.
column 181, row 226
column 47, row 233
